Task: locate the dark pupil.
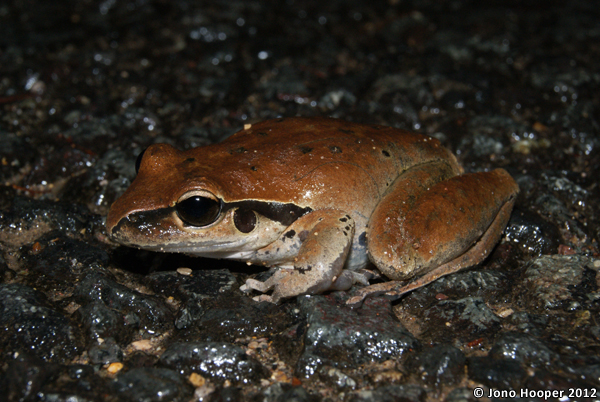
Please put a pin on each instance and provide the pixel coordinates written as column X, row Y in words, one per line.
column 198, row 211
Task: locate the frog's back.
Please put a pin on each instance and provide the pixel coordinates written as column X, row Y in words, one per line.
column 282, row 150
column 313, row 160
column 324, row 137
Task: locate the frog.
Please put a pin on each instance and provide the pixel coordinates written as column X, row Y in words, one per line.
column 325, row 203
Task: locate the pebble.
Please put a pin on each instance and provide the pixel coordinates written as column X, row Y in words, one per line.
column 144, row 344
column 196, row 380
column 114, row 368
column 184, row 271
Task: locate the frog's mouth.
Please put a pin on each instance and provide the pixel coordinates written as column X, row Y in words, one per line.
column 153, row 226
column 162, row 230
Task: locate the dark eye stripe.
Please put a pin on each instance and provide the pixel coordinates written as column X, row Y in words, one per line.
column 286, row 214
column 201, row 211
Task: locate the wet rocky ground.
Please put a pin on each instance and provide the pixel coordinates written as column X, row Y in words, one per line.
column 85, row 86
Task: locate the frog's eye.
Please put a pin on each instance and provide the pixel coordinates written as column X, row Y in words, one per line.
column 138, row 161
column 198, row 209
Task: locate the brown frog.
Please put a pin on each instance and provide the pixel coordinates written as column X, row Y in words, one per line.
column 319, row 199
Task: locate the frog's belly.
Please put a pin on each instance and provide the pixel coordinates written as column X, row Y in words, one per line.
column 357, row 256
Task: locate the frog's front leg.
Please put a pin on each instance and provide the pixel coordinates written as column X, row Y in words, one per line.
column 325, row 236
column 437, row 230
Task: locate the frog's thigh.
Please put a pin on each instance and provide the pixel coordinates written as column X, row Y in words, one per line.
column 320, row 259
column 412, row 234
column 394, row 289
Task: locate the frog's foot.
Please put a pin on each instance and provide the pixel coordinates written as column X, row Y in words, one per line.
column 348, row 278
column 394, row 289
column 373, row 290
column 343, row 282
column 263, row 287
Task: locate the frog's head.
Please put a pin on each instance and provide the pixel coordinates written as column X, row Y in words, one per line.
column 174, row 205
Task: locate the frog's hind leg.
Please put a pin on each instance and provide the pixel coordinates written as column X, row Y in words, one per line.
column 451, row 225
column 392, row 290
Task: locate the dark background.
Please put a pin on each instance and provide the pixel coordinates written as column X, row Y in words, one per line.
column 86, row 85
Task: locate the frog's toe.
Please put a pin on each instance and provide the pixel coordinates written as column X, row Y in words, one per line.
column 253, row 284
column 263, row 298
column 275, row 282
column 348, row 278
column 363, row 276
column 387, row 288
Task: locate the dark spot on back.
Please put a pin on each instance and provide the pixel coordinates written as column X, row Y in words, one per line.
column 239, row 150
column 385, row 153
column 335, row 149
column 303, row 235
column 344, row 219
column 289, row 234
column 305, row 150
column 345, row 131
column 254, row 168
column 189, row 160
column 262, row 134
